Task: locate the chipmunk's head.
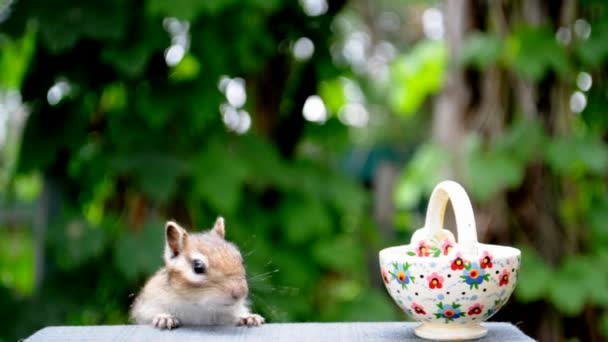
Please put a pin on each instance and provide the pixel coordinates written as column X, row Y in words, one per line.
column 205, row 263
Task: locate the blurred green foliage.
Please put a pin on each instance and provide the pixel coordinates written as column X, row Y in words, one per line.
column 135, row 141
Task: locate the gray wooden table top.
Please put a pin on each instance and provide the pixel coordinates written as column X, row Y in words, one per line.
column 292, row 332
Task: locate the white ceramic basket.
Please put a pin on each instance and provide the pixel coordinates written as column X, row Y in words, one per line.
column 449, row 286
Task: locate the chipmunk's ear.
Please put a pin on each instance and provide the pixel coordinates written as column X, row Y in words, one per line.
column 175, row 239
column 219, row 227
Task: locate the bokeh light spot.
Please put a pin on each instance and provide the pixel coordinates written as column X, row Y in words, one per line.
column 303, row 49
column 235, row 92
column 314, row 8
column 57, row 92
column 314, row 109
column 432, row 23
column 584, row 81
column 578, row 102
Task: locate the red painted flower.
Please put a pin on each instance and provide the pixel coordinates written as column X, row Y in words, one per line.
column 486, row 260
column 418, row 309
column 446, row 246
column 503, row 278
column 475, row 309
column 384, row 275
column 423, row 249
column 458, row 263
column 435, row 281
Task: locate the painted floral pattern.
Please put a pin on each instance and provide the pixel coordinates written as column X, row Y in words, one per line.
column 503, row 278
column 447, row 246
column 435, row 280
column 449, row 312
column 486, row 260
column 475, row 309
column 454, row 288
column 401, row 273
column 432, row 248
column 423, row 249
column 474, row 275
column 458, row 263
column 385, row 275
column 418, row 309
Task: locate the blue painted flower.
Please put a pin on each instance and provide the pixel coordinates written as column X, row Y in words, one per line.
column 401, row 273
column 474, row 275
column 449, row 312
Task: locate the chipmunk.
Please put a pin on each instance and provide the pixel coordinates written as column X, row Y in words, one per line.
column 202, row 283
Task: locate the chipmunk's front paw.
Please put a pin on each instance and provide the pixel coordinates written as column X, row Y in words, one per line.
column 252, row 320
column 165, row 321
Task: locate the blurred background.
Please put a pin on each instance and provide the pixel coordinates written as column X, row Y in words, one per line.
column 317, row 128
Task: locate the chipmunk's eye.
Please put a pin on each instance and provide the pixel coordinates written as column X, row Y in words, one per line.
column 198, row 266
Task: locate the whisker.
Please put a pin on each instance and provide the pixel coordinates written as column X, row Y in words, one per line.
column 264, row 275
column 248, row 253
column 274, row 313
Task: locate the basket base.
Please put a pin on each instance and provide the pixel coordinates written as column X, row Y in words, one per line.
column 450, row 332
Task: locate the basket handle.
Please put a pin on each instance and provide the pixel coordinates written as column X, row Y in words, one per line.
column 463, row 211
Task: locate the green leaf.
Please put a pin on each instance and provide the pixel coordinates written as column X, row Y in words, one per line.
column 154, row 174
column 16, row 260
column 372, row 301
column 304, row 219
column 344, row 194
column 524, row 140
column 579, row 279
column 416, row 76
column 534, row 277
column 490, row 171
column 99, row 20
column 481, row 50
column 594, row 50
column 265, row 164
column 597, row 218
column 187, row 9
column 28, row 186
column 16, row 56
column 113, row 97
column 341, row 253
column 188, row 69
column 567, row 291
column 130, row 61
column 220, row 178
column 585, row 154
column 140, row 253
column 604, row 324
column 74, row 242
column 534, row 51
column 420, row 175
column 333, row 95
